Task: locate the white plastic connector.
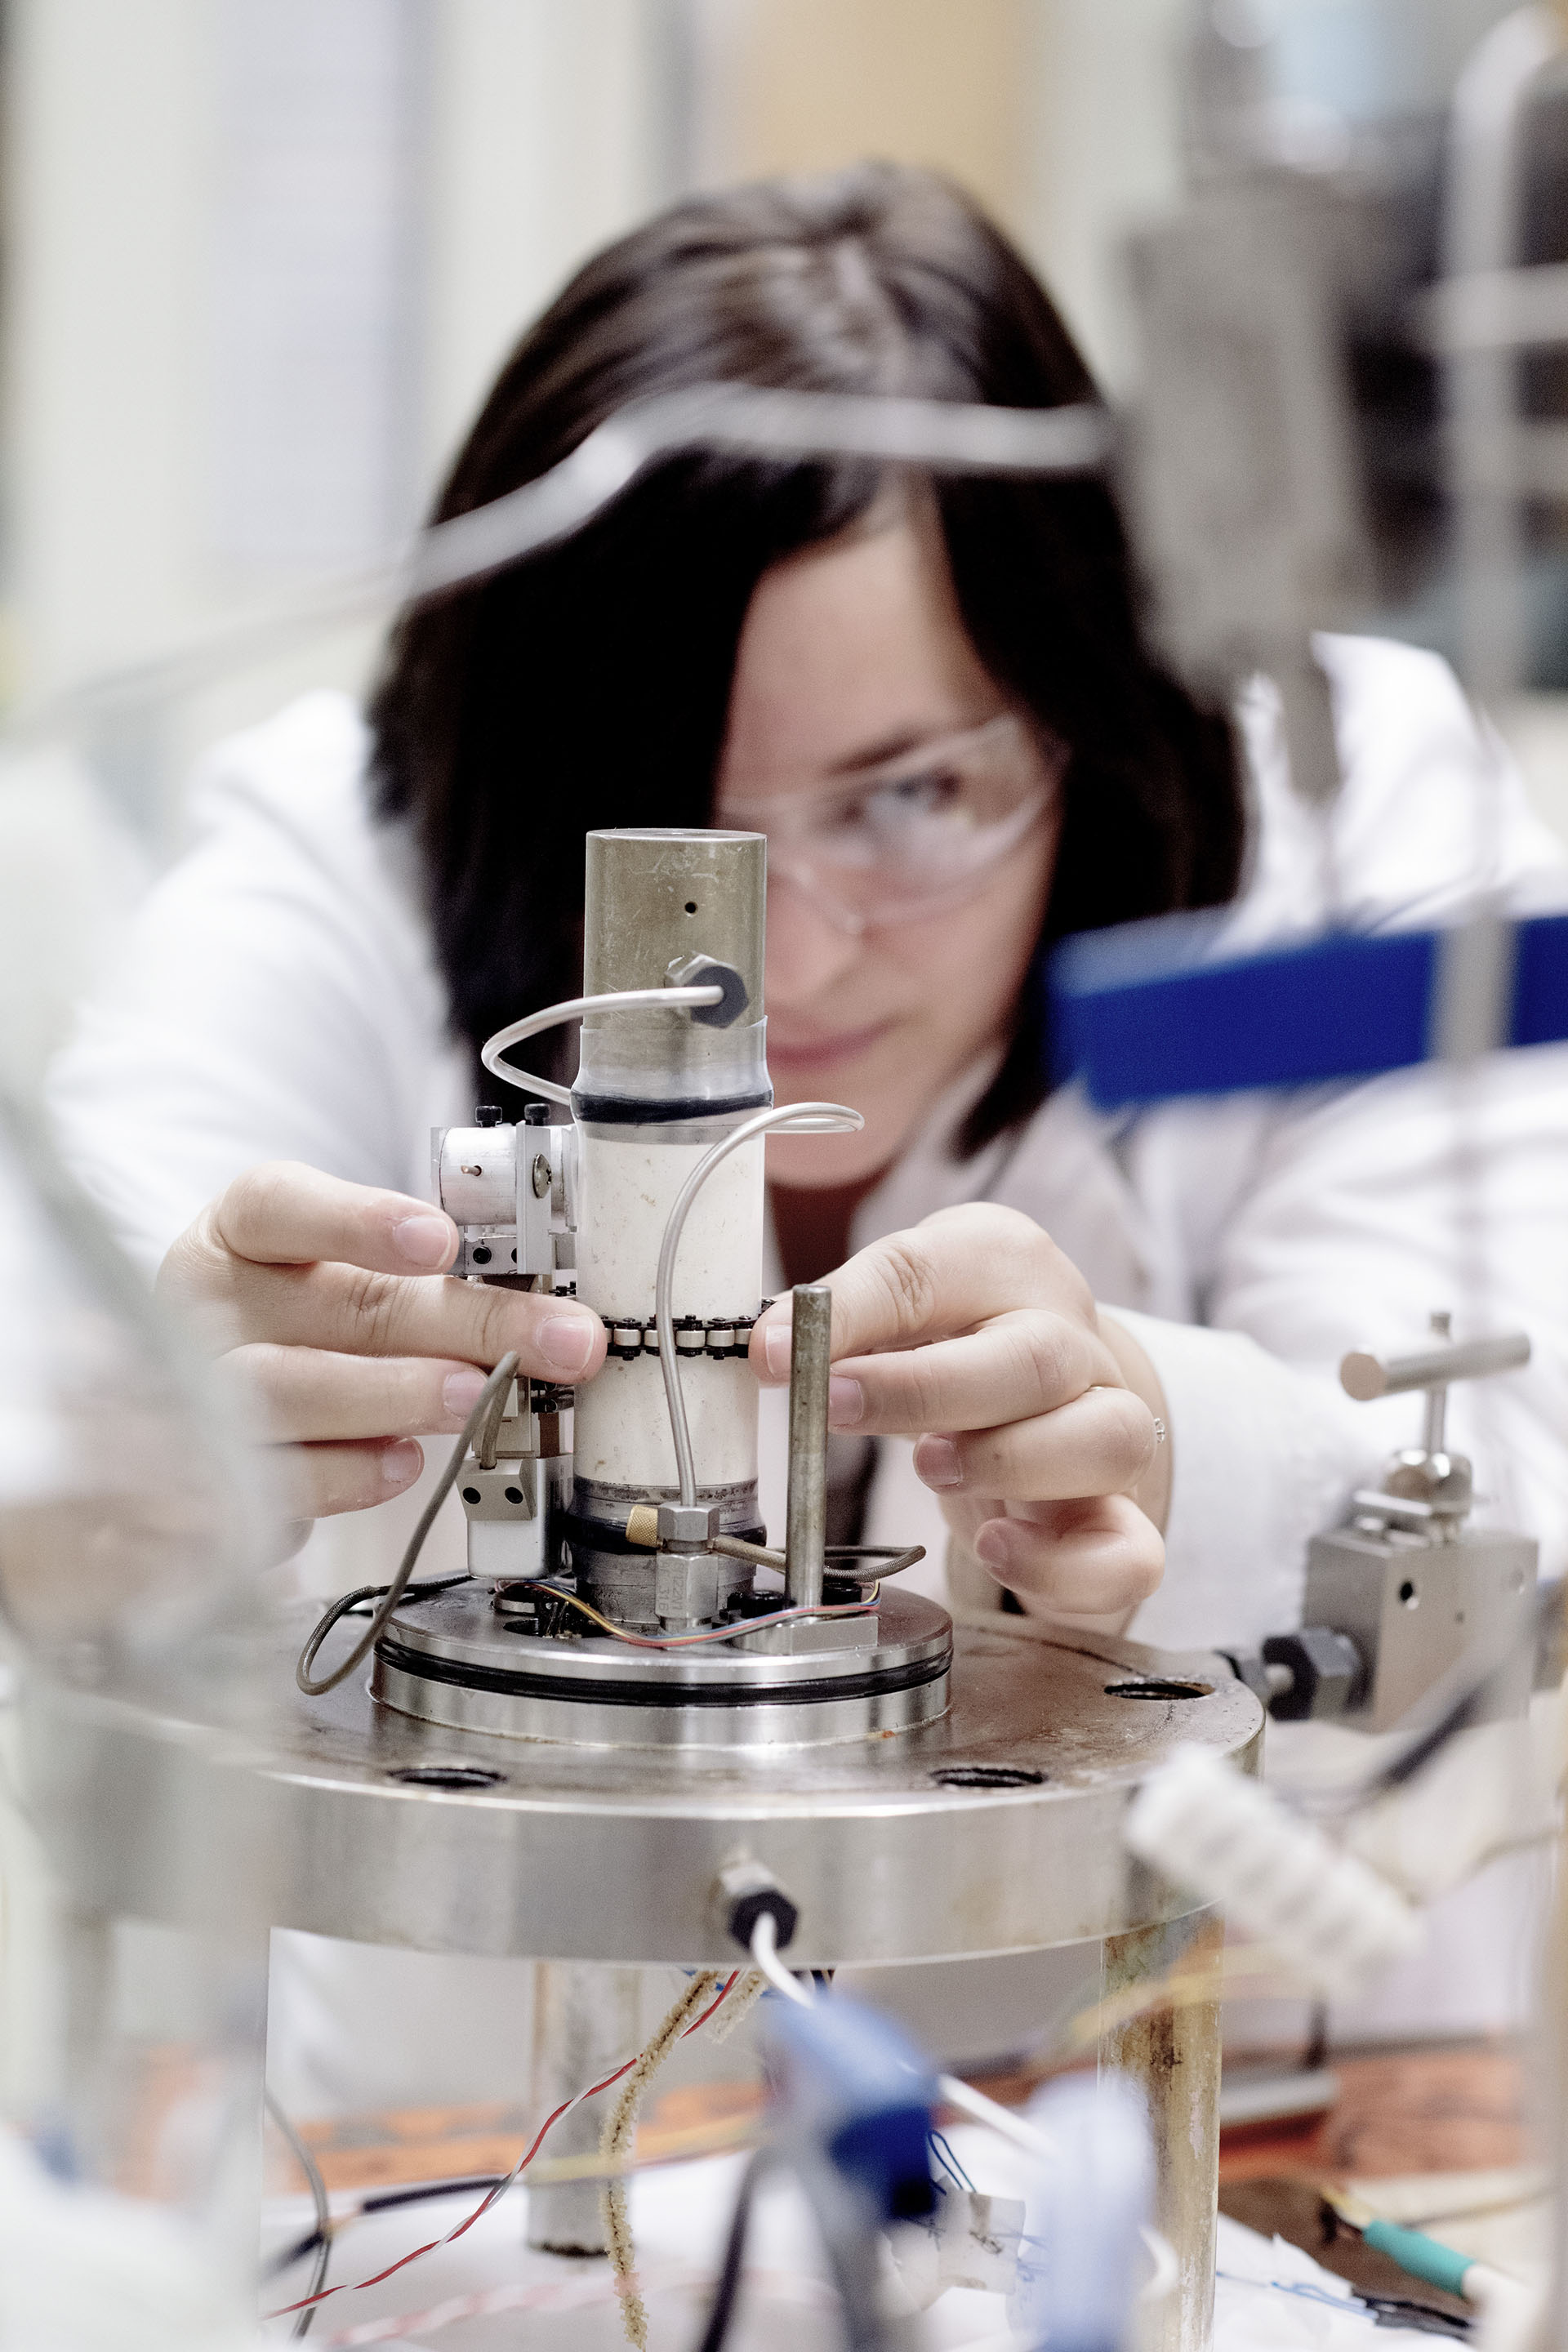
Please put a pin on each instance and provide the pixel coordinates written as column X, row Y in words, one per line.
column 1338, row 1924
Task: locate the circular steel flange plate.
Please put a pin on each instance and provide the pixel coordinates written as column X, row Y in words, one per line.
column 997, row 1828
column 451, row 1659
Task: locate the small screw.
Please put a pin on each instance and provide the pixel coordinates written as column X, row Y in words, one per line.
column 541, row 1176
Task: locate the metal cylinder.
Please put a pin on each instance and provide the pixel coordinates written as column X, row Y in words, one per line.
column 1172, row 2053
column 586, row 2021
column 807, row 1522
column 653, row 898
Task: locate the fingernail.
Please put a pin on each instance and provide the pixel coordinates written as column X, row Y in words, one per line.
column 424, row 1241
column 845, row 1401
column 775, row 1350
column 936, row 1462
column 566, row 1342
column 460, row 1393
column 401, row 1463
column 991, row 1545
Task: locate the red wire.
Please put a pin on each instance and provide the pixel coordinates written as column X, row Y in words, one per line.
column 502, row 2186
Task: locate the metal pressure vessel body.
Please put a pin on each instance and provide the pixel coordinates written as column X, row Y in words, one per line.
column 654, row 1092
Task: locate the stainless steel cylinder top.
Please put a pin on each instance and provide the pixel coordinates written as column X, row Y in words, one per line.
column 654, row 899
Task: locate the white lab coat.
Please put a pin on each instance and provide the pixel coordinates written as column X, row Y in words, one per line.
column 281, row 999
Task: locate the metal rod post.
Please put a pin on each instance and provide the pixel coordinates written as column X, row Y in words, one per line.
column 1174, row 2055
column 586, row 2019
column 807, row 1523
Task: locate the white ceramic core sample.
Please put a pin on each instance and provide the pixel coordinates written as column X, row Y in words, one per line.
column 626, row 1190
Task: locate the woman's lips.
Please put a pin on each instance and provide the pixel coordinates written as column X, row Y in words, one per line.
column 822, row 1049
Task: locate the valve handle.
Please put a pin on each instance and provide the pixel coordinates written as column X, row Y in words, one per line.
column 1364, row 1376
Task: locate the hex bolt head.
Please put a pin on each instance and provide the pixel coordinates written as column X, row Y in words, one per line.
column 1326, row 1674
column 742, row 1893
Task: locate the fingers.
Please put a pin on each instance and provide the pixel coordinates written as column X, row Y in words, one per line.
column 285, row 1214
column 346, row 1310
column 1100, row 1444
column 1086, row 1559
column 321, row 1480
column 941, row 1277
column 1018, row 1365
column 303, row 1394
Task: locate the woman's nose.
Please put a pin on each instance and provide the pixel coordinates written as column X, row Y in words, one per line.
column 808, row 952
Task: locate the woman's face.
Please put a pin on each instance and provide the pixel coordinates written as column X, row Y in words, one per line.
column 852, row 654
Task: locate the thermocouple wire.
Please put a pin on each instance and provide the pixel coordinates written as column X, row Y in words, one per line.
column 805, row 1118
column 316, row 1686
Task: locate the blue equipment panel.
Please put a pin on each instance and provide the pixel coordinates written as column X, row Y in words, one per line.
column 1156, row 1009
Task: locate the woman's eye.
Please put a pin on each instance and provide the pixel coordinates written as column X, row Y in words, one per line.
column 931, row 794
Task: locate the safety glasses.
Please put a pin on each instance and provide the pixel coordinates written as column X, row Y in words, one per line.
column 913, row 834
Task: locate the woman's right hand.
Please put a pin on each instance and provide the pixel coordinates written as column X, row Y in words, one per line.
column 326, row 1305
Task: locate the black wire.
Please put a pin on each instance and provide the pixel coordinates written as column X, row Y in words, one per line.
column 323, row 2231
column 728, row 2289
column 392, row 1593
column 276, row 2264
column 387, row 2198
column 382, row 2203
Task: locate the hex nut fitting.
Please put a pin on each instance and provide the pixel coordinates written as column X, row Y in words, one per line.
column 743, row 1893
column 1326, row 1674
column 682, row 1525
column 707, row 972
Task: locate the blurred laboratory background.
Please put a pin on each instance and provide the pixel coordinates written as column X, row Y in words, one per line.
column 259, row 257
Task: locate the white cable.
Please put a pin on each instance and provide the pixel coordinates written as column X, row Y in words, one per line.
column 620, row 1000
column 982, row 2110
column 954, row 2093
column 1205, row 1825
column 766, row 1956
column 805, row 1118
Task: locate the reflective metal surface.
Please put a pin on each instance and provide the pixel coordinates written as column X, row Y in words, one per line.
column 997, row 1828
column 453, row 1659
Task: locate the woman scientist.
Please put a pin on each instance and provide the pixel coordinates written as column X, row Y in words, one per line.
column 933, row 698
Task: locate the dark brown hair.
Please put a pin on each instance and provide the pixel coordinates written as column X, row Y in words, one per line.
column 589, row 685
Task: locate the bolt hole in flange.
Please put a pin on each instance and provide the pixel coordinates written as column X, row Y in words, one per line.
column 1159, row 1687
column 447, row 1776
column 987, row 1776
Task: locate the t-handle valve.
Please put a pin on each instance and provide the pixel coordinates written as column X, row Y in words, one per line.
column 1427, row 1483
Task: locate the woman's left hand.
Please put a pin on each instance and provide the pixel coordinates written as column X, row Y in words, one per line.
column 1035, row 1417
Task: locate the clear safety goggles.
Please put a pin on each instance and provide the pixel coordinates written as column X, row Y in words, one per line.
column 913, row 834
